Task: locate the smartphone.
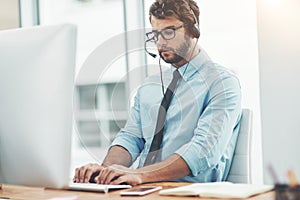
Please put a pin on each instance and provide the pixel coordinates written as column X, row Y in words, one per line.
column 140, row 190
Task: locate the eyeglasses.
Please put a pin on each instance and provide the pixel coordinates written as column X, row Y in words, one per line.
column 166, row 33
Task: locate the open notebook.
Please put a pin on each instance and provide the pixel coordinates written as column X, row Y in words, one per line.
column 218, row 190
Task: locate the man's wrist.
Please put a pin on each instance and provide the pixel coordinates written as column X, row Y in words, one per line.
column 105, row 165
column 146, row 175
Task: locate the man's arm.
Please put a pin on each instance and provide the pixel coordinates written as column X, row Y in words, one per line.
column 172, row 168
column 117, row 155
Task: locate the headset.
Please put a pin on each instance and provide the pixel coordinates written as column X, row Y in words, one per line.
column 196, row 27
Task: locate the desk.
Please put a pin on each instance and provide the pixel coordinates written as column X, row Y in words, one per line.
column 30, row 193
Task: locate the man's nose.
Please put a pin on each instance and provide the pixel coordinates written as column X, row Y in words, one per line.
column 160, row 40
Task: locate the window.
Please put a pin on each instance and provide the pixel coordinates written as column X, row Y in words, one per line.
column 100, row 107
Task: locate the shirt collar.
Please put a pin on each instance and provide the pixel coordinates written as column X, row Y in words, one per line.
column 188, row 69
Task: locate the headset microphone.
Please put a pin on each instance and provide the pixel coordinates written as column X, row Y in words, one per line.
column 145, row 46
column 151, row 54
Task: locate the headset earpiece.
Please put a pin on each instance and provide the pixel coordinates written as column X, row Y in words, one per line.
column 196, row 31
column 196, row 27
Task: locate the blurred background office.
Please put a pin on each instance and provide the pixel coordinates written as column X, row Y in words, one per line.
column 258, row 40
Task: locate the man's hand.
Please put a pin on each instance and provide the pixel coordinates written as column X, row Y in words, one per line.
column 117, row 174
column 84, row 173
column 116, row 155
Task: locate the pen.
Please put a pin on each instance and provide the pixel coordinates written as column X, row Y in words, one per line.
column 273, row 174
column 292, row 178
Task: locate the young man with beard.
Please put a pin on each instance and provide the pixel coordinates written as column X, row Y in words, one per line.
column 201, row 124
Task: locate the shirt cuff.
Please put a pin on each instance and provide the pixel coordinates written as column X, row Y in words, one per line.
column 130, row 142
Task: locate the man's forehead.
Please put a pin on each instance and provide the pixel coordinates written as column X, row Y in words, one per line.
column 167, row 21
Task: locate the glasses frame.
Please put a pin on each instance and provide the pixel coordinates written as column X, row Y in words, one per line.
column 157, row 33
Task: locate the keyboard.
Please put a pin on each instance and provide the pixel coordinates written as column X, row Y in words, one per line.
column 95, row 187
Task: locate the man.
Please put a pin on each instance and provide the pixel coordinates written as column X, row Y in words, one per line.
column 202, row 121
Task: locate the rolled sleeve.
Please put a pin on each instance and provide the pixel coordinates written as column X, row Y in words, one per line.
column 187, row 153
column 215, row 126
column 130, row 142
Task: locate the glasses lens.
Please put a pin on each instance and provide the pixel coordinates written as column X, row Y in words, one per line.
column 151, row 36
column 168, row 33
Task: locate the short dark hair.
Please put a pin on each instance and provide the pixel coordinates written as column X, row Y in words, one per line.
column 183, row 10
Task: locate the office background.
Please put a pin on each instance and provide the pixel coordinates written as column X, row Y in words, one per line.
column 258, row 40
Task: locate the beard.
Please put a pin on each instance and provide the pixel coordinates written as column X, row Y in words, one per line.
column 176, row 55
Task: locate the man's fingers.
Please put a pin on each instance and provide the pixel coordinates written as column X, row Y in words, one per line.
column 103, row 175
column 119, row 180
column 84, row 173
column 90, row 175
column 107, row 175
column 76, row 176
column 111, row 177
column 93, row 177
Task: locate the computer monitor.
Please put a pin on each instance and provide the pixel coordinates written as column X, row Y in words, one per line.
column 37, row 67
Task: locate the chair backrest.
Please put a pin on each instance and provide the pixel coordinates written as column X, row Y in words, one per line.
column 240, row 170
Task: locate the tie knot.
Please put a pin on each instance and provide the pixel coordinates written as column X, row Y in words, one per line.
column 176, row 74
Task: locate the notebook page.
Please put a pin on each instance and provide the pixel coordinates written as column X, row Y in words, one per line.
column 218, row 190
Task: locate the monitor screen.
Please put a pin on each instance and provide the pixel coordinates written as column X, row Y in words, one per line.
column 37, row 67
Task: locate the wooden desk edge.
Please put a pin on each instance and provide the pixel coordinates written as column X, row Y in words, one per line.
column 38, row 193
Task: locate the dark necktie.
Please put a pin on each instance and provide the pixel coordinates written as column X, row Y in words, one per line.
column 155, row 148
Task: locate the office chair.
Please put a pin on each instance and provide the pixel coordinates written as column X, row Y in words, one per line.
column 240, row 170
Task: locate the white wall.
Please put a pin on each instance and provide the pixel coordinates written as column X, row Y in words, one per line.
column 279, row 48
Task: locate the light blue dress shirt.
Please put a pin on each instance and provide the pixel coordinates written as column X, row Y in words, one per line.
column 202, row 122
